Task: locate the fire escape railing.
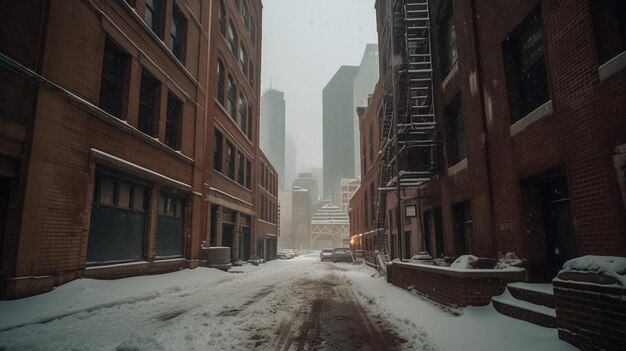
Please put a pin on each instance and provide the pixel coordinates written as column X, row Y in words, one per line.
column 410, row 146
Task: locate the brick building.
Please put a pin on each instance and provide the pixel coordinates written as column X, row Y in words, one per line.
column 233, row 109
column 110, row 119
column 106, row 99
column 529, row 101
column 267, row 230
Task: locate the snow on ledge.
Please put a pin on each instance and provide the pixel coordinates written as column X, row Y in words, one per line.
column 460, row 271
column 611, row 266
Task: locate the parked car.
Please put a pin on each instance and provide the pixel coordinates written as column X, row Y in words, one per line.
column 288, row 253
column 342, row 255
column 326, row 254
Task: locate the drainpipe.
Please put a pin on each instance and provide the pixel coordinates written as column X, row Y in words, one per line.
column 481, row 95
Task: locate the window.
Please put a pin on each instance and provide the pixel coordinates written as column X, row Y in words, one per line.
column 248, row 174
column 243, row 60
column 249, row 130
column 526, row 67
column 173, row 122
column 117, row 192
column 241, row 179
column 178, row 34
column 243, row 118
column 217, row 150
column 230, row 160
column 231, row 106
column 233, row 39
column 170, row 205
column 245, row 13
column 455, row 137
column 463, row 227
column 152, row 16
column 251, row 73
column 447, row 39
column 222, row 18
column 609, row 22
column 114, row 67
column 220, row 82
column 148, row 102
column 130, row 3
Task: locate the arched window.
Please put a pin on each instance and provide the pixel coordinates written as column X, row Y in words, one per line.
column 222, row 18
column 231, row 106
column 219, row 94
column 243, row 116
column 233, row 38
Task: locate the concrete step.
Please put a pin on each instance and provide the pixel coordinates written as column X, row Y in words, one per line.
column 540, row 315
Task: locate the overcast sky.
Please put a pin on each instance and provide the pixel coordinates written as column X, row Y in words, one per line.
column 304, row 44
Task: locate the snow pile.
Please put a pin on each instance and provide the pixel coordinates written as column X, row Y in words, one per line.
column 464, row 262
column 611, row 266
column 509, row 260
column 421, row 256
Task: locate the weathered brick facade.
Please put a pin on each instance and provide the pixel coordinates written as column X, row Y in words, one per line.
column 59, row 147
column 518, row 168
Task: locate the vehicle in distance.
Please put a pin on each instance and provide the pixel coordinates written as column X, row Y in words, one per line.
column 286, row 253
column 341, row 255
column 326, row 254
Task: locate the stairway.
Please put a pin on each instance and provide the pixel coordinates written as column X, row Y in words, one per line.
column 533, row 303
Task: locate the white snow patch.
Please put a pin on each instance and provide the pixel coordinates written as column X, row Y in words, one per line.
column 612, row 266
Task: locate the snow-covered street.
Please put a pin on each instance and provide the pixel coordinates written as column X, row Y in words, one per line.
column 298, row 304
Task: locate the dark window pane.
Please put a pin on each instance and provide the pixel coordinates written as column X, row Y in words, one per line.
column 220, row 82
column 241, row 169
column 173, row 122
column 447, row 39
column 178, row 33
column 231, row 106
column 233, row 39
column 217, row 151
column 457, row 148
column 528, row 85
column 609, row 22
column 243, row 119
column 248, row 174
column 148, row 102
column 154, row 9
column 222, row 18
column 114, row 67
column 230, row 160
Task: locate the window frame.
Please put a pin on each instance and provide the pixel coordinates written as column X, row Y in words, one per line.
column 448, row 51
column 173, row 122
column 178, row 34
column 156, row 12
column 455, row 133
column 114, row 79
column 148, row 82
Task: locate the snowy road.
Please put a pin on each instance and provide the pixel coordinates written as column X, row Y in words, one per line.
column 300, row 304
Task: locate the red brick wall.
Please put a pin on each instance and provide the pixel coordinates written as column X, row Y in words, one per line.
column 452, row 288
column 581, row 134
column 59, row 181
column 591, row 316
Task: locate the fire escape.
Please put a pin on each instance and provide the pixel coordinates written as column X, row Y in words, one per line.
column 409, row 140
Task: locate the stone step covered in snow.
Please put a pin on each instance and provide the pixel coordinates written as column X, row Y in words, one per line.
column 539, row 294
column 527, row 302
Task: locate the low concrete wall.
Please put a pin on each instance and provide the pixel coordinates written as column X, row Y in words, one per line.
column 590, row 311
column 451, row 287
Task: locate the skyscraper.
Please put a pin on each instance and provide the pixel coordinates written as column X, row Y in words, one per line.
column 338, row 130
column 363, row 86
column 272, row 132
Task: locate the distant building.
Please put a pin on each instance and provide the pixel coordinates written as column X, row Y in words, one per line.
column 301, row 232
column 318, row 173
column 329, row 228
column 272, row 133
column 338, row 131
column 290, row 162
column 363, row 86
column 306, row 180
column 348, row 188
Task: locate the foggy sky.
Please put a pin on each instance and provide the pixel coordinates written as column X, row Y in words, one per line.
column 304, row 44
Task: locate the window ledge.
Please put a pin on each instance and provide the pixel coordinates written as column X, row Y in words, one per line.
column 450, row 75
column 539, row 113
column 614, row 65
column 459, row 166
